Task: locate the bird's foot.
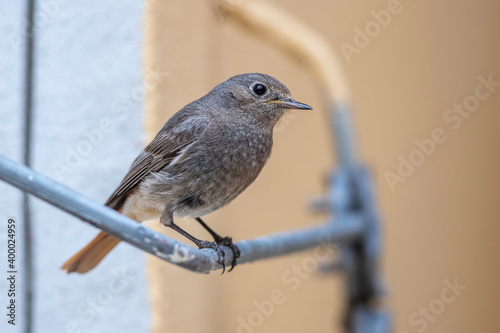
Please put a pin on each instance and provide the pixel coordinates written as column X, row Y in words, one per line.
column 214, row 246
column 228, row 241
column 219, row 240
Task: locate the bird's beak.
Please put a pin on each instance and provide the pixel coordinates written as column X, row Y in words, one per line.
column 291, row 104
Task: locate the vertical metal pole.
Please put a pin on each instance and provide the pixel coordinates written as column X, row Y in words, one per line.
column 27, row 268
column 342, row 130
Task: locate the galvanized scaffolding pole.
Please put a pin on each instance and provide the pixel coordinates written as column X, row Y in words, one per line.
column 203, row 261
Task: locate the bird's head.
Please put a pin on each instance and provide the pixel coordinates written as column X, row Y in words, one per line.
column 256, row 97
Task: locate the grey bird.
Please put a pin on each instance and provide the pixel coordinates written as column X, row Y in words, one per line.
column 204, row 156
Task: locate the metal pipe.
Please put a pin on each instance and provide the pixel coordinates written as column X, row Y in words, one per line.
column 27, row 229
column 343, row 230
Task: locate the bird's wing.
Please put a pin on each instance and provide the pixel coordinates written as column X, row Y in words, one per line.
column 178, row 134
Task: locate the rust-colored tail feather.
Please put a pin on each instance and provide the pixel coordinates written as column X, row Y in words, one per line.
column 88, row 257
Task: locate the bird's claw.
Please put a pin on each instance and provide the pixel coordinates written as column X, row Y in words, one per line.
column 214, row 246
column 228, row 241
column 225, row 241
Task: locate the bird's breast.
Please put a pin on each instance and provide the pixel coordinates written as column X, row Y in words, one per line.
column 241, row 150
column 213, row 172
column 228, row 164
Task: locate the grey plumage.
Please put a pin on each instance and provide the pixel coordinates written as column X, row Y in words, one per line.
column 210, row 151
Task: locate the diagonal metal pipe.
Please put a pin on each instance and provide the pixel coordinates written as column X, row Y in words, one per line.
column 344, row 230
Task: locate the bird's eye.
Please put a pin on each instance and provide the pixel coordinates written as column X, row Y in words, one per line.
column 259, row 89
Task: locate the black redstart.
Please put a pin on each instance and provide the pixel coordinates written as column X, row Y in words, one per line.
column 204, row 156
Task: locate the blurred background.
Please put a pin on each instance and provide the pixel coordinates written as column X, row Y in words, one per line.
column 425, row 85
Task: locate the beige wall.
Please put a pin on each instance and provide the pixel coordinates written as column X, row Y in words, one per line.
column 440, row 224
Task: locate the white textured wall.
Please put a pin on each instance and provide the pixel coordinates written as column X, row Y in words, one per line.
column 87, row 130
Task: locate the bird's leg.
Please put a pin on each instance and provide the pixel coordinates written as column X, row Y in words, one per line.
column 167, row 220
column 227, row 241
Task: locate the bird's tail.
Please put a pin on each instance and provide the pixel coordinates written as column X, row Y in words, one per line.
column 88, row 257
